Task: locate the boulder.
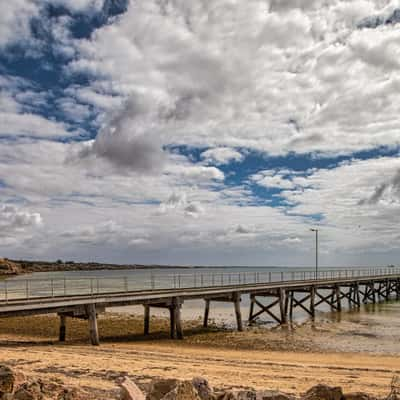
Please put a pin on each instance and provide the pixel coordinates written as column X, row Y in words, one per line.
column 7, row 380
column 273, row 395
column 29, row 391
column 203, row 388
column 24, row 394
column 160, row 387
column 69, row 394
column 8, row 267
column 323, row 392
column 130, row 391
column 238, row 395
column 183, row 391
column 358, row 396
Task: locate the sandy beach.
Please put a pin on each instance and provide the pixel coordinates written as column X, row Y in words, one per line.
column 288, row 359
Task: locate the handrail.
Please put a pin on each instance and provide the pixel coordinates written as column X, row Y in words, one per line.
column 24, row 289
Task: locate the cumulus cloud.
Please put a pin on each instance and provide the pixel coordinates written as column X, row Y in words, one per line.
column 238, row 83
column 128, row 141
column 15, row 21
column 392, row 186
column 14, row 219
column 280, row 179
column 179, row 202
column 221, row 155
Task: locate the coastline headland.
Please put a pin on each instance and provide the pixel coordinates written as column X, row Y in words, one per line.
column 19, row 267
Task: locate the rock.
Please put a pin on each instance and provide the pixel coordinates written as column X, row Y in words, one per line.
column 29, row 391
column 273, row 395
column 160, row 387
column 24, row 394
column 8, row 267
column 358, row 396
column 130, row 391
column 7, row 380
column 69, row 394
column 203, row 388
column 323, row 392
column 238, row 395
column 183, row 391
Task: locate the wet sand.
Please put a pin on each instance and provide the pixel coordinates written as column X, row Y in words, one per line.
column 290, row 359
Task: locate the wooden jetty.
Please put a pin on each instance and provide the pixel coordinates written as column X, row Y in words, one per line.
column 276, row 299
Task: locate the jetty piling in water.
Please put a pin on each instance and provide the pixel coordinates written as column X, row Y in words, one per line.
column 276, row 299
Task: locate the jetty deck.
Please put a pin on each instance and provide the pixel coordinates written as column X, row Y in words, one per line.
column 271, row 296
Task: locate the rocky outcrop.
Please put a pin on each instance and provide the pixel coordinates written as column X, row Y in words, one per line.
column 323, row 392
column 183, row 391
column 14, row 386
column 203, row 388
column 160, row 387
column 8, row 267
column 7, row 380
column 358, row 396
column 130, row 391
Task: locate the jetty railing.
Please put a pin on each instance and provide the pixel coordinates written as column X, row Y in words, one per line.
column 23, row 289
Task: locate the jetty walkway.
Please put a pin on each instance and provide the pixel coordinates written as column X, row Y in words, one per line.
column 276, row 294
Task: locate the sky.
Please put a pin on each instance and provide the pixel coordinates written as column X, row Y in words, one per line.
column 209, row 132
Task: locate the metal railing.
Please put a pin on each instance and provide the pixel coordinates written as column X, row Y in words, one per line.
column 23, row 289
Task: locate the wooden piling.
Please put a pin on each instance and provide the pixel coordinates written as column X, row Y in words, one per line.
column 338, row 298
column 251, row 312
column 63, row 328
column 172, row 325
column 282, row 308
column 146, row 319
column 93, row 328
column 312, row 301
column 206, row 313
column 177, row 317
column 236, row 302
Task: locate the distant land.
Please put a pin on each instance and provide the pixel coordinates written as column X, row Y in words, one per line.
column 18, row 267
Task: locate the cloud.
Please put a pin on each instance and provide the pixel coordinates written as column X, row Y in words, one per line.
column 238, row 83
column 392, row 186
column 127, row 140
column 15, row 21
column 388, row 18
column 274, row 179
column 13, row 219
column 221, row 155
column 179, row 202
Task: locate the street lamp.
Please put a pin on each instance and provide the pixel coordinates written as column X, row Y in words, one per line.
column 316, row 251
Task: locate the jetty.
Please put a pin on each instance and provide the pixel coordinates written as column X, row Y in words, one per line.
column 276, row 294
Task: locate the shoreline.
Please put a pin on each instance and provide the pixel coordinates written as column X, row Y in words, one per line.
column 274, row 359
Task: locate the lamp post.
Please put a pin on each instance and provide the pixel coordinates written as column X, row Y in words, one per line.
column 316, row 251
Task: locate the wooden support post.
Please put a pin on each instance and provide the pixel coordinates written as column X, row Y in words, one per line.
column 312, row 301
column 146, row 319
column 282, row 301
column 93, row 329
column 251, row 312
column 397, row 289
column 172, row 326
column 63, row 328
column 373, row 292
column 177, row 304
column 286, row 303
column 338, row 301
column 291, row 304
column 358, row 300
column 236, row 301
column 206, row 313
